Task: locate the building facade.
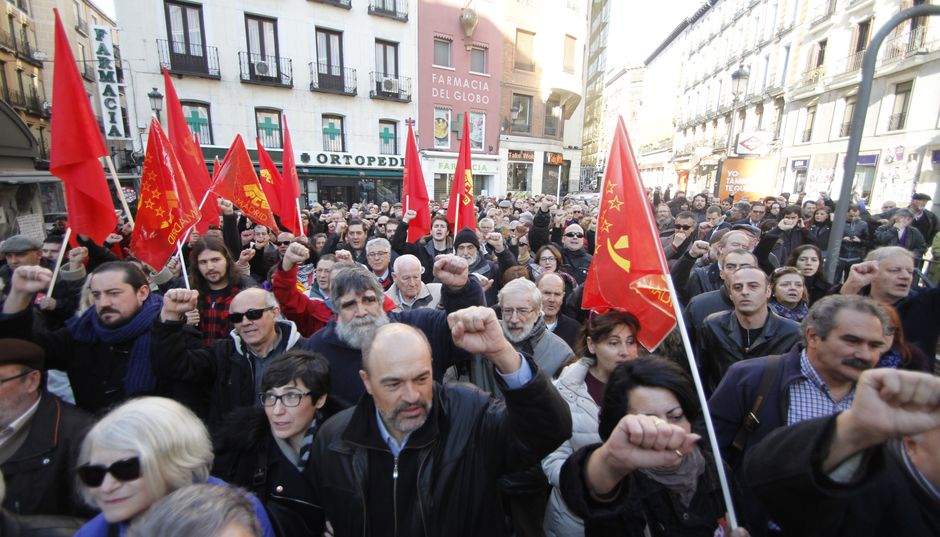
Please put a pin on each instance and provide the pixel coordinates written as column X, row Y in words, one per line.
column 340, row 73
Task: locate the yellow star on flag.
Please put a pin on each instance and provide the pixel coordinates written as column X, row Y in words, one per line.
column 615, row 204
column 159, row 212
column 605, row 226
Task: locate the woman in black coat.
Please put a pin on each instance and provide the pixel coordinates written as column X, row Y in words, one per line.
column 265, row 449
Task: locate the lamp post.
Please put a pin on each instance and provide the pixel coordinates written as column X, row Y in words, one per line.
column 156, row 102
column 738, row 86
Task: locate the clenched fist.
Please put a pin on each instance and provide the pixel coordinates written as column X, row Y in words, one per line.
column 226, row 206
column 176, row 302
column 295, row 255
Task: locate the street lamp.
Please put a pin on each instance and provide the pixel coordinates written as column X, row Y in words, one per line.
column 738, row 87
column 156, row 102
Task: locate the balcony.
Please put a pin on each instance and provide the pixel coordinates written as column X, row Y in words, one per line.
column 393, row 9
column 192, row 59
column 16, row 99
column 35, row 105
column 897, row 121
column 345, row 4
column 330, row 79
column 811, row 77
column 389, row 87
column 81, row 27
column 88, row 69
column 6, row 39
column 907, row 45
column 824, row 15
column 25, row 50
column 845, row 129
column 854, row 62
column 266, row 70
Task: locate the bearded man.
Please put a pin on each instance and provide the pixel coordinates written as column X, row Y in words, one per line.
column 357, row 298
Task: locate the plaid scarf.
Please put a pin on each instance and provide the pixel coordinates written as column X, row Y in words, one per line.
column 307, row 443
column 796, row 314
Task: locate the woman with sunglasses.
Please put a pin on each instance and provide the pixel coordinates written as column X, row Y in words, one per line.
column 808, row 260
column 138, row 453
column 605, row 341
column 652, row 475
column 266, row 449
column 789, row 297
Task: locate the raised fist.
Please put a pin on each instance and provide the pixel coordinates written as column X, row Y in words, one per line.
column 495, row 240
column 343, row 255
column 114, row 238
column 30, row 279
column 245, row 256
column 192, row 317
column 226, row 206
column 177, row 302
column 409, row 216
column 295, row 255
column 77, row 257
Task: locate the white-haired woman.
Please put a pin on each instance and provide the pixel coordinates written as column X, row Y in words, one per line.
column 138, row 453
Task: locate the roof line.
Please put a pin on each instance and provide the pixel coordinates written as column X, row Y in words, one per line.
column 680, row 28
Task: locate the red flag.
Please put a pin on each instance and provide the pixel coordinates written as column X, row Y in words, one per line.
column 290, row 186
column 76, row 147
column 185, row 146
column 270, row 180
column 166, row 207
column 414, row 194
column 629, row 270
column 236, row 181
column 460, row 209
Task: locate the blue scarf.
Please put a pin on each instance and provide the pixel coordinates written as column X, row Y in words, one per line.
column 88, row 329
column 796, row 314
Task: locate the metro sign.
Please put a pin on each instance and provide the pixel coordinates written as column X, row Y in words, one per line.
column 753, row 143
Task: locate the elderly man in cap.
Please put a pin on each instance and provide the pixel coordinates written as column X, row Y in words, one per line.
column 39, row 436
column 489, row 273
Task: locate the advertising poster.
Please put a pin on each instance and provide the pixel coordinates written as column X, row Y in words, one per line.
column 753, row 178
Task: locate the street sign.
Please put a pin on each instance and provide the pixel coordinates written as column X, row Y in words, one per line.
column 754, row 143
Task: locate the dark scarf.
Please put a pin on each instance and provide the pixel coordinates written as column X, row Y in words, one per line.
column 681, row 481
column 307, row 443
column 87, row 329
column 796, row 314
column 527, row 345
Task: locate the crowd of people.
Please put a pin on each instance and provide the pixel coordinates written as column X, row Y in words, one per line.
column 350, row 381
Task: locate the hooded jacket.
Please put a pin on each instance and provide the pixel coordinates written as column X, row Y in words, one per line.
column 228, row 367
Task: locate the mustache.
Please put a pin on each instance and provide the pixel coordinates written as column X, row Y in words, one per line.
column 403, row 406
column 103, row 311
column 856, row 363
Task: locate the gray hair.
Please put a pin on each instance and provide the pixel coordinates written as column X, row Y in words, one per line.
column 378, row 242
column 357, row 279
column 172, row 443
column 522, row 286
column 407, row 258
column 197, row 511
column 822, row 316
column 885, row 252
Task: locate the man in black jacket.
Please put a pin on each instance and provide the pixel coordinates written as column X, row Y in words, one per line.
column 872, row 470
column 574, row 254
column 417, row 458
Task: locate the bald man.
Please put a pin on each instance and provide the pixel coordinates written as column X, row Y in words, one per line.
column 232, row 367
column 408, row 291
column 425, row 458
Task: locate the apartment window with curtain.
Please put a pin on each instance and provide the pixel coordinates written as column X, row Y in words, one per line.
column 198, row 120
column 262, row 46
column 902, row 101
column 330, row 59
column 524, row 57
column 442, row 56
column 388, row 137
column 808, row 124
column 552, row 118
column 184, row 26
column 521, row 113
column 478, row 60
column 334, row 133
column 268, row 126
column 847, row 116
column 386, row 58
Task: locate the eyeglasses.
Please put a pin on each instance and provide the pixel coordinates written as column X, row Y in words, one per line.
column 574, row 235
column 122, row 470
column 547, row 258
column 14, row 377
column 509, row 312
column 290, row 399
column 283, row 243
column 684, row 227
column 252, row 315
column 380, row 225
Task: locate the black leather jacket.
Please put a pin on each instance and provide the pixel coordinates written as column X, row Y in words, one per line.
column 451, row 463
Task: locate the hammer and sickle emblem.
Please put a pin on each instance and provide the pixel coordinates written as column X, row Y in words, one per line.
column 622, row 243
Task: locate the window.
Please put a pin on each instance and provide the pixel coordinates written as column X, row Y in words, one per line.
column 524, row 44
column 198, row 120
column 83, row 62
column 847, row 116
column 520, row 176
column 808, row 124
column 902, row 100
column 477, row 130
column 552, row 118
column 185, row 30
column 386, row 59
column 78, row 15
column 521, row 113
column 478, row 60
column 262, row 47
column 821, row 53
column 782, row 79
column 388, row 137
column 442, row 52
column 442, row 128
column 334, row 134
column 330, row 60
column 570, row 44
column 268, row 124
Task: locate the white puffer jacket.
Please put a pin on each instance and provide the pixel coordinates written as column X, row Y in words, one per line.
column 559, row 521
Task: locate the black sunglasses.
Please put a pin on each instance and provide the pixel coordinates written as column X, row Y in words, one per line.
column 252, row 315
column 685, row 227
column 122, row 470
column 284, row 243
column 574, row 235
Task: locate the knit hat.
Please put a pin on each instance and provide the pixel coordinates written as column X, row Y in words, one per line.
column 21, row 352
column 18, row 244
column 466, row 235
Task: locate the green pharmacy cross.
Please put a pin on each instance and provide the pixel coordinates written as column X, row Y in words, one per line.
column 332, row 131
column 387, row 136
column 195, row 121
column 268, row 126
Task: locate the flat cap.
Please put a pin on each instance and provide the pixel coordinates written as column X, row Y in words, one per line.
column 18, row 244
column 21, row 352
column 505, row 203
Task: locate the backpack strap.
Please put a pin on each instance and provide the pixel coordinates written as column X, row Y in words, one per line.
column 749, row 425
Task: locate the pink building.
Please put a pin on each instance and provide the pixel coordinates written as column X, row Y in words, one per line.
column 460, row 54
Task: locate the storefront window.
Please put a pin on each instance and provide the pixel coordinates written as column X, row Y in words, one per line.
column 387, row 190
column 520, row 176
column 550, row 179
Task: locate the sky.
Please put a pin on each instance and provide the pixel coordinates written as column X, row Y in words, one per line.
column 107, row 6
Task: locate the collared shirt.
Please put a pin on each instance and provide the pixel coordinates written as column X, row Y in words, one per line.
column 810, row 397
column 18, row 423
column 403, row 302
column 514, row 380
column 551, row 326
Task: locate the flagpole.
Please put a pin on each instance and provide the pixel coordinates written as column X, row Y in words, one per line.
column 192, row 227
column 179, row 248
column 300, row 220
column 58, row 262
column 120, row 192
